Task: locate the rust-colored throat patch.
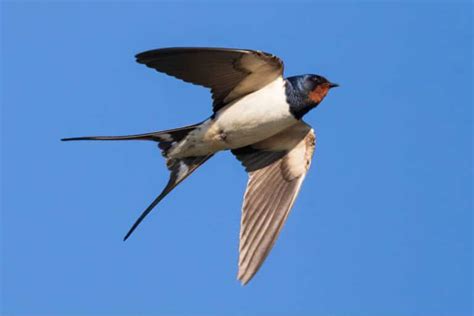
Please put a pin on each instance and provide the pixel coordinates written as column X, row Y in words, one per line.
column 318, row 93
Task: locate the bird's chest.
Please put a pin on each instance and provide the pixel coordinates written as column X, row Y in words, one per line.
column 255, row 117
column 246, row 121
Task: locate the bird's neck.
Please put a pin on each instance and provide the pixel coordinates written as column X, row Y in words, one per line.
column 298, row 100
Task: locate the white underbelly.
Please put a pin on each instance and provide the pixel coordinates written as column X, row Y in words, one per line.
column 251, row 119
column 256, row 116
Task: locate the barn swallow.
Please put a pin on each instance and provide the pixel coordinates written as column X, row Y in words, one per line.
column 257, row 115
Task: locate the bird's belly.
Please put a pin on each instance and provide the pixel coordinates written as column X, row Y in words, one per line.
column 248, row 126
column 256, row 116
column 248, row 120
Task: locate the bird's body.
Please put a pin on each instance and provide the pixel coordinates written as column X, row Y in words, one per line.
column 257, row 114
column 243, row 122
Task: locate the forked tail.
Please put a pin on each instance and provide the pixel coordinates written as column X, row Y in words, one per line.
column 180, row 168
column 165, row 139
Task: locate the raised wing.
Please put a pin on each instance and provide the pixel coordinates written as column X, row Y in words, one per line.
column 277, row 167
column 229, row 73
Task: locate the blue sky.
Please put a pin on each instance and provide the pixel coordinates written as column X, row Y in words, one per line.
column 383, row 224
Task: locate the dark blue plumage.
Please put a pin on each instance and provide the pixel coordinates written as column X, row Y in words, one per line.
column 299, row 89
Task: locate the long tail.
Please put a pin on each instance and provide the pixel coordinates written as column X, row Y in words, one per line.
column 164, row 138
column 179, row 169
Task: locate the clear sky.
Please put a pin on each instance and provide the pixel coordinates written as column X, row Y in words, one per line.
column 382, row 226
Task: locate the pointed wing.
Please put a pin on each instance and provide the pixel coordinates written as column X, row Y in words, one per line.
column 277, row 167
column 229, row 73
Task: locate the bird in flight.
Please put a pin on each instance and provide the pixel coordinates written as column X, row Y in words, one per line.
column 257, row 115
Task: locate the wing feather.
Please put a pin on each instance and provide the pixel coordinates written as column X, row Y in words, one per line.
column 229, row 73
column 275, row 179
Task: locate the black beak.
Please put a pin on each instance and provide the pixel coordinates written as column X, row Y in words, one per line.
column 333, row 85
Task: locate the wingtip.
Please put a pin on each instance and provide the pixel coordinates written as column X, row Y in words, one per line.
column 243, row 281
column 243, row 278
column 139, row 58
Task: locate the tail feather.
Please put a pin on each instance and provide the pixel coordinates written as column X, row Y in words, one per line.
column 178, row 133
column 155, row 136
column 180, row 168
column 165, row 139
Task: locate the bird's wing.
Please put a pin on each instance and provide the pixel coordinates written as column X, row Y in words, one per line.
column 229, row 73
column 277, row 167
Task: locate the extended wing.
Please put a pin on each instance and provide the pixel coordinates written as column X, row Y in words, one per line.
column 277, row 167
column 229, row 73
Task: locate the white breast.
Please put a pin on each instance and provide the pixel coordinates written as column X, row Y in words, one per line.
column 256, row 116
column 246, row 121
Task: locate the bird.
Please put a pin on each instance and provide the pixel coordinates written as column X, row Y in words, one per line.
column 257, row 114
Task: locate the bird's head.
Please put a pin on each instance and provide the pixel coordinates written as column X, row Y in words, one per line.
column 309, row 90
column 316, row 87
